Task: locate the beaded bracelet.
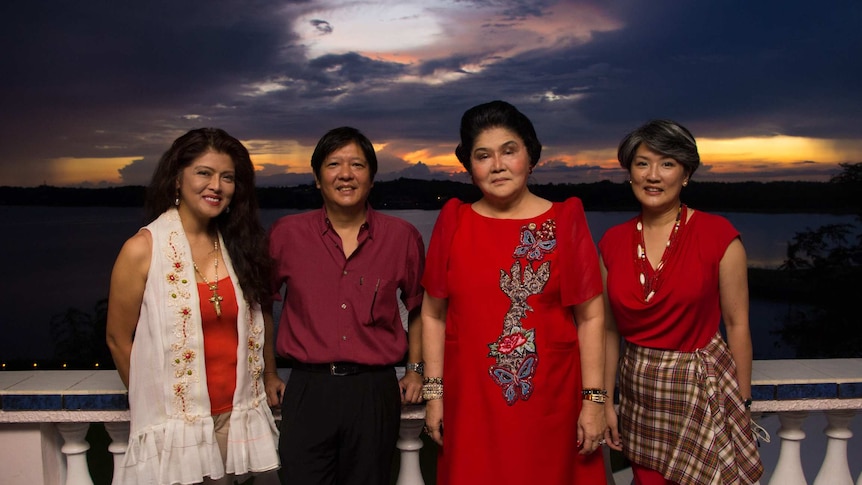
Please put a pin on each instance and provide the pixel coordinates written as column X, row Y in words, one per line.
column 432, row 388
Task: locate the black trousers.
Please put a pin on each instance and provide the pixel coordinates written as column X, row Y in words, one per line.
column 339, row 430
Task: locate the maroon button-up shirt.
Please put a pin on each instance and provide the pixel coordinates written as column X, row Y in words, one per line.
column 338, row 309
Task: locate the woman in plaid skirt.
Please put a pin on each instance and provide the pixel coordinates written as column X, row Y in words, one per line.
column 671, row 275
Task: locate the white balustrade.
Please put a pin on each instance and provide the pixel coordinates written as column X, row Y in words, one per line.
column 75, row 448
column 835, row 470
column 119, row 434
column 409, row 443
column 788, row 470
column 836, row 453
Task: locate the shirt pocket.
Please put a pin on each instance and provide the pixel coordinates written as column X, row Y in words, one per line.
column 378, row 303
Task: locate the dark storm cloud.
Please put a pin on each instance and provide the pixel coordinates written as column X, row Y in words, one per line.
column 322, row 26
column 731, row 68
column 81, row 73
column 84, row 79
column 353, row 68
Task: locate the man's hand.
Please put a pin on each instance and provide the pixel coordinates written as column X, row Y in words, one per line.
column 274, row 387
column 411, row 388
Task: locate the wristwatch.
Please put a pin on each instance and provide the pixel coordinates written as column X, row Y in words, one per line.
column 417, row 367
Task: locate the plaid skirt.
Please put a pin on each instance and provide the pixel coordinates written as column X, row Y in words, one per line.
column 681, row 414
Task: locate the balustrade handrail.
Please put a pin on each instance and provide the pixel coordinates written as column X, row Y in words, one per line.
column 71, row 399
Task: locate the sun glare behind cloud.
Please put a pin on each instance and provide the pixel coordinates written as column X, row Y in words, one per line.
column 66, row 171
column 410, row 32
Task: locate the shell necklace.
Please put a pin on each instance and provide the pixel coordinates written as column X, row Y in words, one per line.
column 215, row 299
column 650, row 280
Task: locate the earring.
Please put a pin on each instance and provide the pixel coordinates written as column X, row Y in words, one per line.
column 177, row 198
column 630, row 181
column 227, row 210
column 685, row 183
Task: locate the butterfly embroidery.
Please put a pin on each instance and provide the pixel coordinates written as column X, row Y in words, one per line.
column 533, row 248
column 519, row 385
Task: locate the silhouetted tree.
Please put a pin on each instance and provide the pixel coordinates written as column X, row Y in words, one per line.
column 79, row 337
column 827, row 264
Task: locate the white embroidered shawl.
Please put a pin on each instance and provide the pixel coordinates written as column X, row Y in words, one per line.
column 171, row 437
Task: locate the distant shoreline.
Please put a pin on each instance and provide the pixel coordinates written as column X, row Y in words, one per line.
column 761, row 197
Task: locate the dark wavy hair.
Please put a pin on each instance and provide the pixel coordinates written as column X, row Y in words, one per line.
column 337, row 138
column 240, row 226
column 666, row 137
column 496, row 114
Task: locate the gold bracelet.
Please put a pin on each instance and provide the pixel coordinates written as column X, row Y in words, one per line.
column 598, row 396
column 432, row 388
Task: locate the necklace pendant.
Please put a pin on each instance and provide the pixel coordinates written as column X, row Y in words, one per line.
column 216, row 301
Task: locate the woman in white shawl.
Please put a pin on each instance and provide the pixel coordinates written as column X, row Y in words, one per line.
column 184, row 322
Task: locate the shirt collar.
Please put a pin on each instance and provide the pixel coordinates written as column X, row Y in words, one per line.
column 370, row 216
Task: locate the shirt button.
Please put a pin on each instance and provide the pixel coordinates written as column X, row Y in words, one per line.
column 344, row 306
column 344, row 337
column 344, row 272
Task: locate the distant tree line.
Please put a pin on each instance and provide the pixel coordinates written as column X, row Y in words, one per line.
column 764, row 197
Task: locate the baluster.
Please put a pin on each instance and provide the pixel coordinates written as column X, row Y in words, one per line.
column 788, row 470
column 119, row 433
column 835, row 470
column 75, row 448
column 409, row 443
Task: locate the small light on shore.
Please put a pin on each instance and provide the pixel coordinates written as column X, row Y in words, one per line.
column 97, row 365
column 35, row 364
column 64, row 365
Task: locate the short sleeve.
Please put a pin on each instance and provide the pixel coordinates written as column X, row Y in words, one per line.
column 275, row 243
column 722, row 233
column 434, row 279
column 412, row 294
column 580, row 278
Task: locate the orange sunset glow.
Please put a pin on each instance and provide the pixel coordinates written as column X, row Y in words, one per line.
column 724, row 156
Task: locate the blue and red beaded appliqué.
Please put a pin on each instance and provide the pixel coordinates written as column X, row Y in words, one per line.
column 515, row 348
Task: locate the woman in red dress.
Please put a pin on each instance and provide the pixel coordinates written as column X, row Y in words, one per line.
column 513, row 307
column 672, row 274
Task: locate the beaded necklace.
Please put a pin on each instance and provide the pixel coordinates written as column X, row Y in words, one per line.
column 650, row 280
column 215, row 299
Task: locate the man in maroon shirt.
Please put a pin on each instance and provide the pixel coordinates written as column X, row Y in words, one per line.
column 342, row 267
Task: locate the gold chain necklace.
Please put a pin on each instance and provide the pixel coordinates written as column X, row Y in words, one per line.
column 215, row 299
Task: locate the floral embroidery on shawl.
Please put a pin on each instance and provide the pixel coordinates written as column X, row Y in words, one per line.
column 515, row 348
column 178, row 299
column 255, row 357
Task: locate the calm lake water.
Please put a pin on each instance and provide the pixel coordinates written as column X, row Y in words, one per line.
column 57, row 258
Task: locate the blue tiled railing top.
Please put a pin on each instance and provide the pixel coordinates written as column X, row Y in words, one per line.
column 61, row 402
column 102, row 390
column 784, row 392
column 72, row 390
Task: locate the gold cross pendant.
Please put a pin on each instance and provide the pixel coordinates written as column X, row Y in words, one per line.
column 216, row 301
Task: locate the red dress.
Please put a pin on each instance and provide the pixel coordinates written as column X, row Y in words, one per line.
column 512, row 371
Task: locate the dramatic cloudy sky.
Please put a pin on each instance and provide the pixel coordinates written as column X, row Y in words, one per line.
column 92, row 92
